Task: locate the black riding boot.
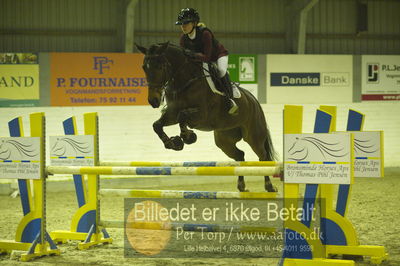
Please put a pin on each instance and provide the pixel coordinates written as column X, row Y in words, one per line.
column 226, row 82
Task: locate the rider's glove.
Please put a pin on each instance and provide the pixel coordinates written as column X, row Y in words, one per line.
column 191, row 54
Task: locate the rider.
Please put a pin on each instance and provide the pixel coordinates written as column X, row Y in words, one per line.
column 200, row 40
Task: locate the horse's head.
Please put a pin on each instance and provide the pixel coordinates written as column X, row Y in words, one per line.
column 156, row 68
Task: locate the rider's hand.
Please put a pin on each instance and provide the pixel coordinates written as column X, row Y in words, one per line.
column 190, row 54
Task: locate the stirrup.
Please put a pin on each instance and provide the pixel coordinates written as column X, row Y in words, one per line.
column 234, row 110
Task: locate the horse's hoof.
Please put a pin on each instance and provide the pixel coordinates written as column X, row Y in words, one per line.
column 174, row 143
column 242, row 188
column 271, row 188
column 189, row 137
column 168, row 144
column 177, row 143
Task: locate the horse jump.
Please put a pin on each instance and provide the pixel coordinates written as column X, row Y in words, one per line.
column 31, row 235
column 348, row 245
column 345, row 243
column 88, row 197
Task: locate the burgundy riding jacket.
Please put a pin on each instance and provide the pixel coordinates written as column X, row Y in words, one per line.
column 206, row 47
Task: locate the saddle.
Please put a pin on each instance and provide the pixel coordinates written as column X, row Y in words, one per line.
column 211, row 73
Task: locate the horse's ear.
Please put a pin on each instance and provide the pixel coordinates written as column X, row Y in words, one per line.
column 141, row 48
column 162, row 48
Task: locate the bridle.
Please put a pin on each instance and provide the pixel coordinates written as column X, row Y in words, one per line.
column 169, row 75
column 165, row 66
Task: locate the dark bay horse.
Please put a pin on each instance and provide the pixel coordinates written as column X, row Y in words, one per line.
column 190, row 103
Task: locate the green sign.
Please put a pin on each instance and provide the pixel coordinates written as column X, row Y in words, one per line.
column 243, row 68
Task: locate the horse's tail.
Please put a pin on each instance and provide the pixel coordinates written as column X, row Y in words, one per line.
column 269, row 147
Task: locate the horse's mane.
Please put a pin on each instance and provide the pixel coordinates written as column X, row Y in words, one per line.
column 172, row 48
column 152, row 49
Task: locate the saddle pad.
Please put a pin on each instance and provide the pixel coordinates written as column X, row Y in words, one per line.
column 235, row 90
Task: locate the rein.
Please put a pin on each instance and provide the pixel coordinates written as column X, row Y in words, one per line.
column 167, row 81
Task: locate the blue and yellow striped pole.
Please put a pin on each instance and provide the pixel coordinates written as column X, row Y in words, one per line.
column 186, row 227
column 194, row 171
column 181, row 194
column 189, row 164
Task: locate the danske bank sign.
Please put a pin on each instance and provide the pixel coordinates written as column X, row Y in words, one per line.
column 295, row 79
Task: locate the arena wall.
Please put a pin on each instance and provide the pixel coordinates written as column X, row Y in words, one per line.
column 126, row 132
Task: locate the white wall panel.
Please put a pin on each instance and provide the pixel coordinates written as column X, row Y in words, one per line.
column 126, row 133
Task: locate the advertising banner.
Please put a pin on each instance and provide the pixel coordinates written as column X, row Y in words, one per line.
column 318, row 158
column 20, row 158
column 83, row 79
column 243, row 69
column 368, row 153
column 19, row 80
column 380, row 77
column 309, row 79
column 72, row 150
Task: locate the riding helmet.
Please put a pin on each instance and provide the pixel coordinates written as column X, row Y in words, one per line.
column 187, row 15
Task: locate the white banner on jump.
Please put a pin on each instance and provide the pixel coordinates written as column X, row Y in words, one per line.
column 20, row 158
column 368, row 154
column 318, row 158
column 72, row 150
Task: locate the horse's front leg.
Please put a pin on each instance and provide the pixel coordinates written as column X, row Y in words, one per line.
column 167, row 119
column 188, row 136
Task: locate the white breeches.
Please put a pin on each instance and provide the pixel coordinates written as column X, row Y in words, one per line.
column 222, row 64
